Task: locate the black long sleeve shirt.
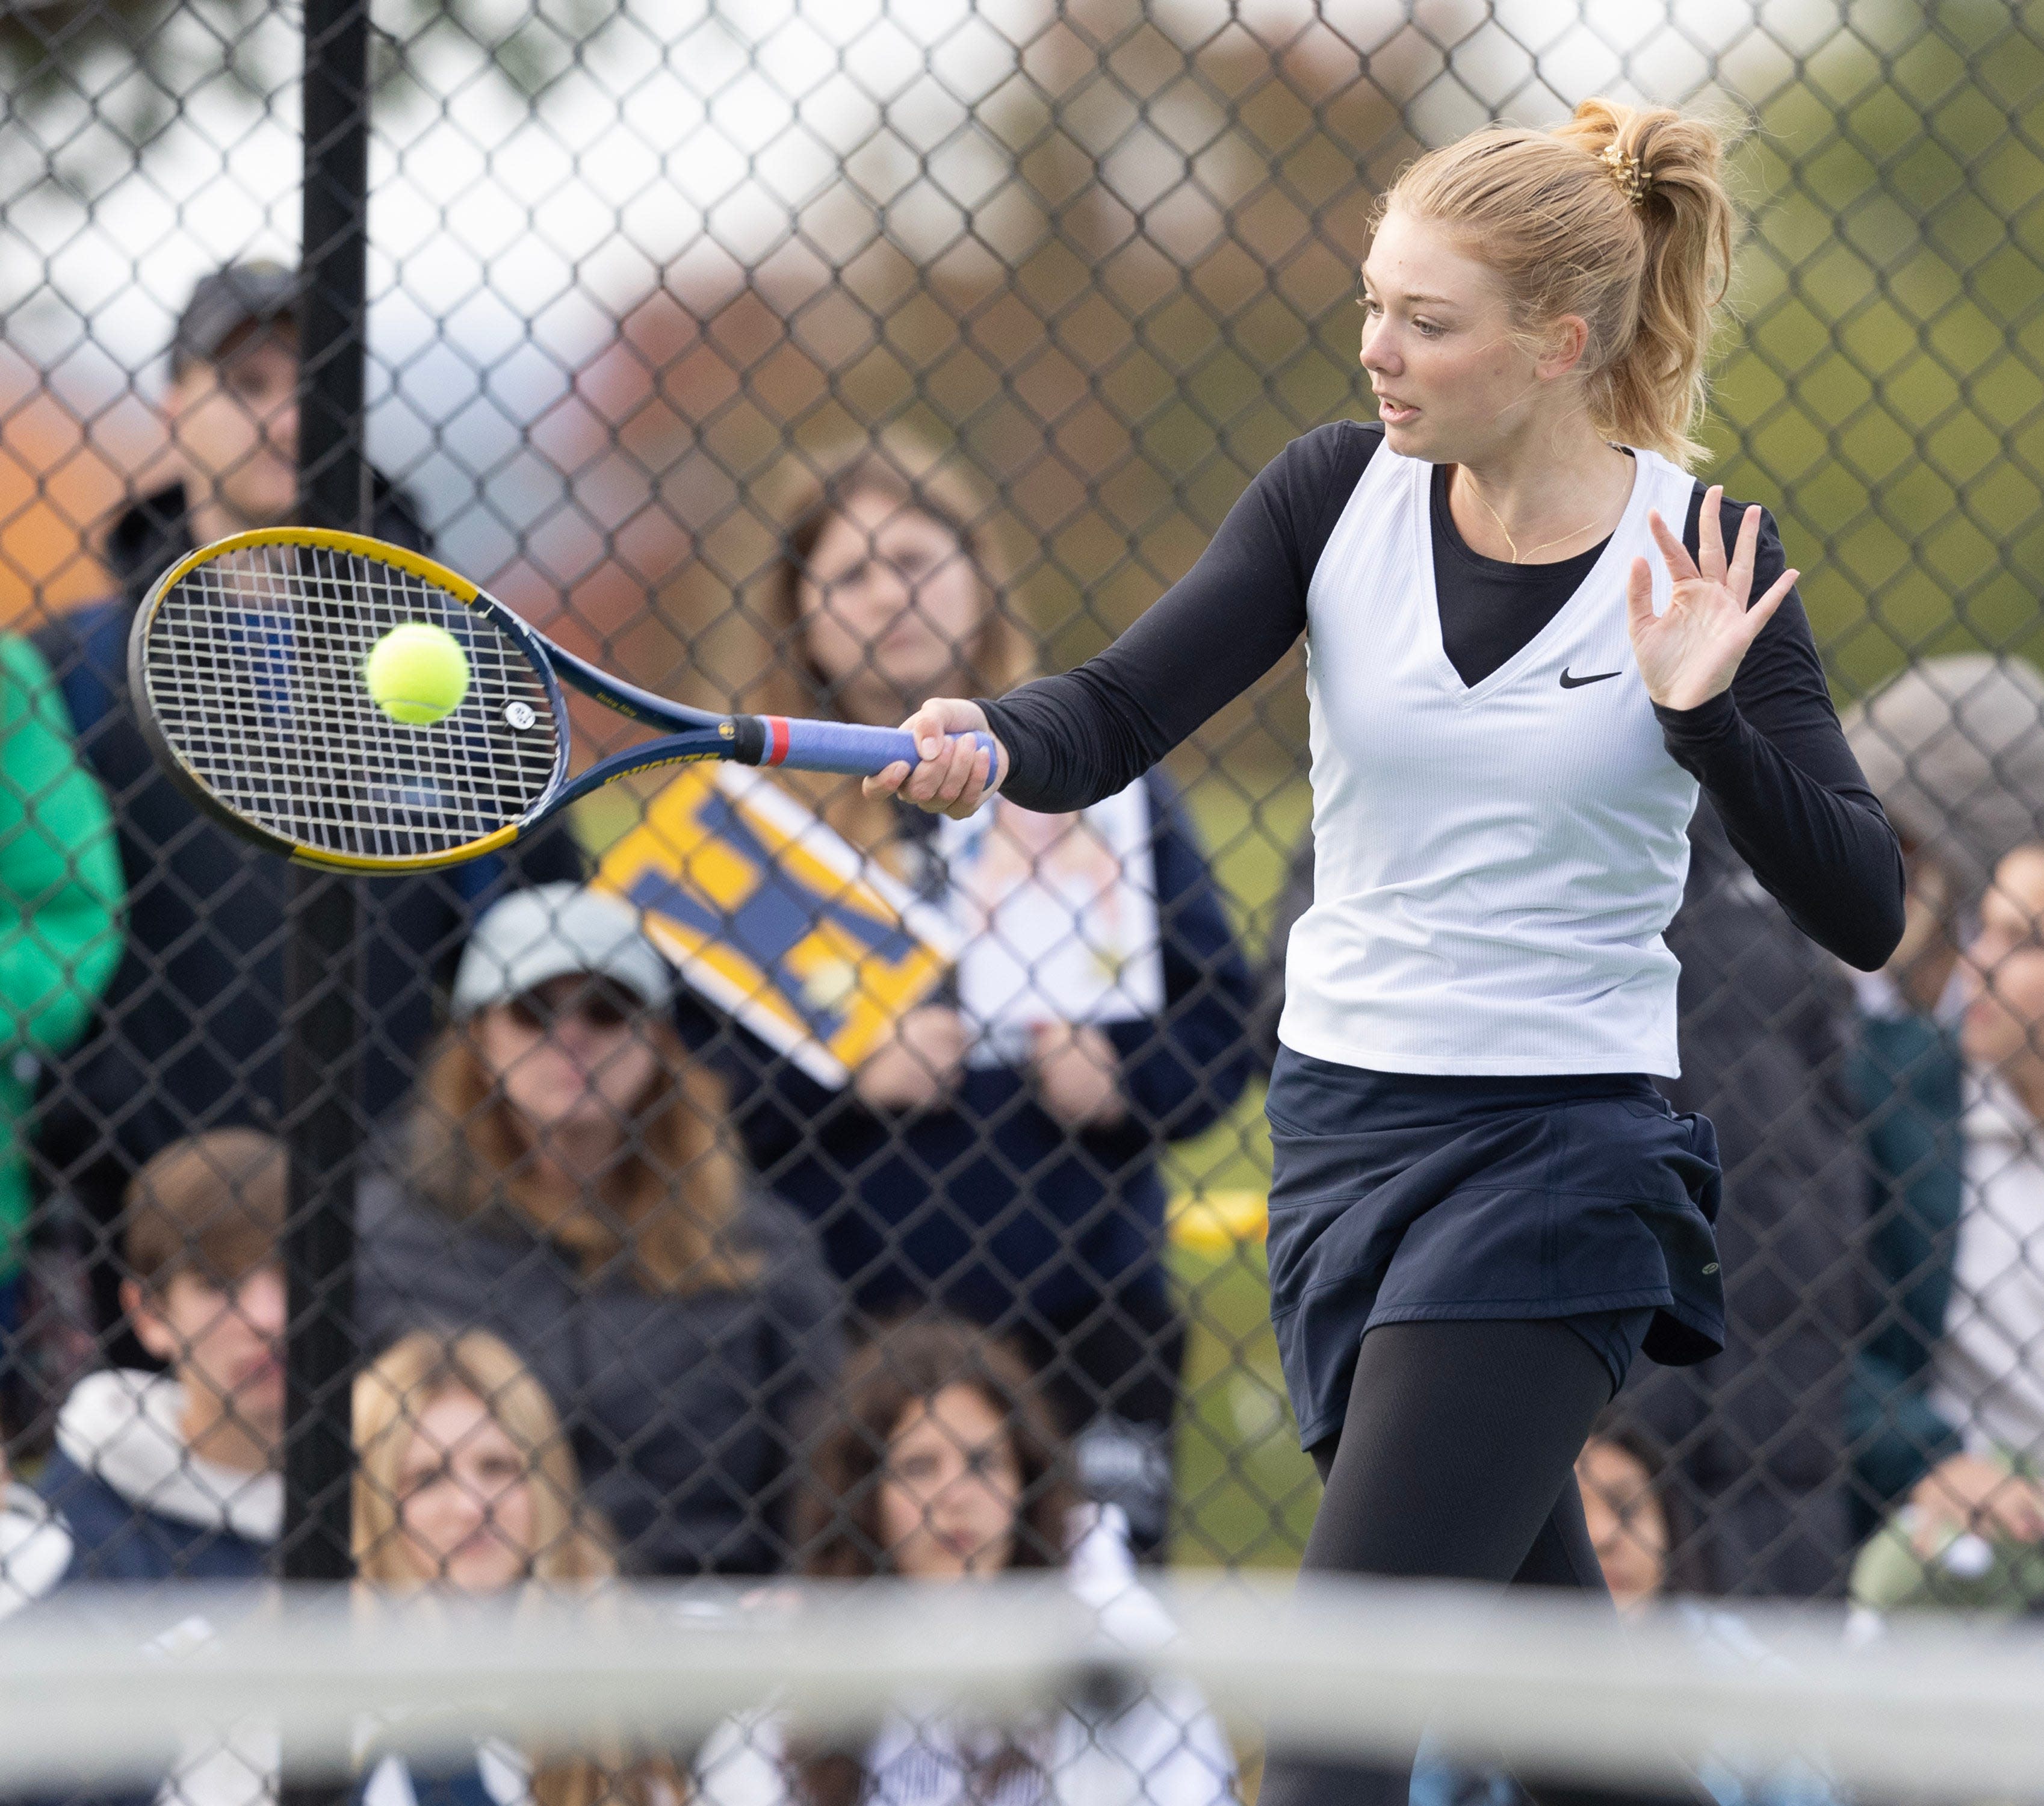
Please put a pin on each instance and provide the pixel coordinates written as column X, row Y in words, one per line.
column 1768, row 752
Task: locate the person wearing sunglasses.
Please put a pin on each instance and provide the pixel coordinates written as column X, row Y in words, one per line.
column 562, row 1179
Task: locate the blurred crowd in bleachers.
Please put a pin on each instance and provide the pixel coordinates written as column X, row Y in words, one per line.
column 852, row 1257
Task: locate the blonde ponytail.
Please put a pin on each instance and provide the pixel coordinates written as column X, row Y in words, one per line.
column 1619, row 216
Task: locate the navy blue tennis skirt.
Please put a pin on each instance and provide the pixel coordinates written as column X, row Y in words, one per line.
column 1403, row 1198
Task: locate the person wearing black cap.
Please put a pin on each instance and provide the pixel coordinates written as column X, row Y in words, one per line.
column 233, row 403
column 189, row 1037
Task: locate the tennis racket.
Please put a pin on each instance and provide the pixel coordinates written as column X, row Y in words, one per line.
column 246, row 662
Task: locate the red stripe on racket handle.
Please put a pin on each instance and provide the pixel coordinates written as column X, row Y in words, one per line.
column 843, row 746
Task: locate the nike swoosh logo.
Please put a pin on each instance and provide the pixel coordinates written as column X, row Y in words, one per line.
column 1570, row 683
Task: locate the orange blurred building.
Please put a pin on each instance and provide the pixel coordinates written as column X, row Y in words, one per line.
column 69, row 462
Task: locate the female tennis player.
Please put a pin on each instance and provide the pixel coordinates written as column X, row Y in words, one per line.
column 1522, row 672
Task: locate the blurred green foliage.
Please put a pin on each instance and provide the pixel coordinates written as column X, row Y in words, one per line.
column 1882, row 389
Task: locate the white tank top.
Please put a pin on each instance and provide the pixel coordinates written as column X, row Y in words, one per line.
column 1494, row 865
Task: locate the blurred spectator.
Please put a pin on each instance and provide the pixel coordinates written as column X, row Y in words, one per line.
column 1756, row 1433
column 464, row 1477
column 1960, row 1428
column 1755, row 1436
column 172, row 1476
column 938, row 1463
column 60, row 897
column 1955, row 747
column 188, row 1037
column 1013, row 1180
column 465, row 1482
column 563, row 1183
column 1634, row 1511
column 1636, row 1527
column 1632, row 1506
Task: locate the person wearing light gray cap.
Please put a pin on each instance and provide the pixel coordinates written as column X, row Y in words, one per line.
column 557, row 930
column 566, row 1182
column 1954, row 748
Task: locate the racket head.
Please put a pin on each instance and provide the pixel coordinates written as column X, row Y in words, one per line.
column 246, row 663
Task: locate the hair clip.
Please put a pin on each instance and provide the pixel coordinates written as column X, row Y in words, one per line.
column 1634, row 181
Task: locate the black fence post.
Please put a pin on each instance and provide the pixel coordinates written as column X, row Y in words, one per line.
column 322, row 1027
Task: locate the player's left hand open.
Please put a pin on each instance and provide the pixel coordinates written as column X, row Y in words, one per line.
column 952, row 776
column 1687, row 655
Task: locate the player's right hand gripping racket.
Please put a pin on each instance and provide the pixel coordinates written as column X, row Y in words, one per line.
column 247, row 663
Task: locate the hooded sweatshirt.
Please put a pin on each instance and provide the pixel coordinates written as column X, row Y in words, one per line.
column 137, row 1505
column 1155, row 1745
column 1159, row 1747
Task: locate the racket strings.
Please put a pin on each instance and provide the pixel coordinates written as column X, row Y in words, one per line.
column 254, row 664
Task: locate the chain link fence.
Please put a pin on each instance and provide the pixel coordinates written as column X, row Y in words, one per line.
column 801, row 357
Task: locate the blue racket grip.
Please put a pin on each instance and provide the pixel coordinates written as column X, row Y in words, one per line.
column 843, row 746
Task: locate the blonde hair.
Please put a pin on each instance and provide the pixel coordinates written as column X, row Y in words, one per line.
column 667, row 1204
column 390, row 1393
column 914, row 475
column 569, row 1548
column 1619, row 216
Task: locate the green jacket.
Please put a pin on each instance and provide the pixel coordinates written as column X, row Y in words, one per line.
column 60, row 904
column 1907, row 1073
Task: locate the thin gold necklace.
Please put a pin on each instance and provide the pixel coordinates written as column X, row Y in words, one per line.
column 1516, row 557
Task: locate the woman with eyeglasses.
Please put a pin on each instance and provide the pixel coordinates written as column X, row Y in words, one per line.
column 1000, row 1153
column 563, row 1181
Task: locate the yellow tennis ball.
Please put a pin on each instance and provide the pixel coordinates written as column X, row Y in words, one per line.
column 418, row 674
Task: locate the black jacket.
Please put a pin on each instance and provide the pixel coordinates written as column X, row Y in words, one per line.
column 991, row 1201
column 1758, row 1433
column 188, row 1036
column 686, row 1410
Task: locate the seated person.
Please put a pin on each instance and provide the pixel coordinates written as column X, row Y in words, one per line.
column 173, row 1476
column 1634, row 1514
column 190, row 1034
column 1006, row 1170
column 1952, row 1388
column 465, row 1482
column 937, row 1463
column 1632, row 1508
column 564, row 1182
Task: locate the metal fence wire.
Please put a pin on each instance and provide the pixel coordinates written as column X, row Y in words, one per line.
column 805, row 357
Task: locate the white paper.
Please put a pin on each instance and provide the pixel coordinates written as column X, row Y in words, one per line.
column 1058, row 916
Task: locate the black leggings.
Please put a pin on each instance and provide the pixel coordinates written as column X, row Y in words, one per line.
column 1456, row 1461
